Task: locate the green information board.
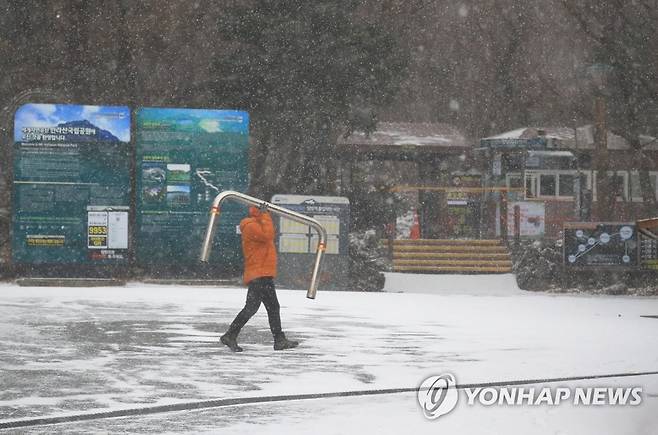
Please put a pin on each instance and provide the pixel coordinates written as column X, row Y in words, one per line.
column 71, row 187
column 184, row 156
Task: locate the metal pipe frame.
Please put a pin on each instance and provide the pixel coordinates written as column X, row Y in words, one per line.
column 250, row 200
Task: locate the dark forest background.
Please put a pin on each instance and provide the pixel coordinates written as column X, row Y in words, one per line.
column 308, row 70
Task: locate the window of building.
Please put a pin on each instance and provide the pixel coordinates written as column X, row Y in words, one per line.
column 635, row 192
column 558, row 184
column 634, row 186
column 619, row 184
column 547, row 185
column 566, row 185
column 530, row 185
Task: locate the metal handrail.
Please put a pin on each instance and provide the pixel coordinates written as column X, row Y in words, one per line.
column 297, row 217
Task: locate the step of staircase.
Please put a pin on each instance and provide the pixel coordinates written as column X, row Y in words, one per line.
column 455, row 248
column 450, row 256
column 467, row 242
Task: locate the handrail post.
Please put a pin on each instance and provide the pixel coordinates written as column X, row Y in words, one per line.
column 278, row 210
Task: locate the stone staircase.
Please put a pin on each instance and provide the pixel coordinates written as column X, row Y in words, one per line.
column 450, row 256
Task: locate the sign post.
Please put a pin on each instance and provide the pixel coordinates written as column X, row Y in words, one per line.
column 530, row 220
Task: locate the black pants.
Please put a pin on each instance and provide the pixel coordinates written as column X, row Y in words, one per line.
column 260, row 290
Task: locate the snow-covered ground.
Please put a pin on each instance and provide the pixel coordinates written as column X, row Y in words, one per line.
column 474, row 285
column 75, row 350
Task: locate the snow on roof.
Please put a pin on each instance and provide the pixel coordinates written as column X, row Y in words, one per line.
column 514, row 134
column 551, row 153
column 565, row 137
column 559, row 133
column 409, row 134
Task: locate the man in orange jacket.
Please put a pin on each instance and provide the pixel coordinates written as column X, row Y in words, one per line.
column 259, row 273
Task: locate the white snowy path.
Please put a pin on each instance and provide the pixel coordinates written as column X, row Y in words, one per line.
column 69, row 350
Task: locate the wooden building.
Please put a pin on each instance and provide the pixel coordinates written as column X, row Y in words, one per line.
column 433, row 166
column 551, row 175
column 430, row 163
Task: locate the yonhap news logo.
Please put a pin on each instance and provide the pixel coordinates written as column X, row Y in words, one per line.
column 438, row 395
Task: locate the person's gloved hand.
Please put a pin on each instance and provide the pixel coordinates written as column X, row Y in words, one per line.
column 263, row 207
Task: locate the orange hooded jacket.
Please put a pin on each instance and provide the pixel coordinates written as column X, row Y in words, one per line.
column 258, row 245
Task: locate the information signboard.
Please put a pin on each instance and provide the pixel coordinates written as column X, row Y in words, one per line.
column 71, row 190
column 183, row 157
column 648, row 235
column 297, row 243
column 532, row 218
column 600, row 244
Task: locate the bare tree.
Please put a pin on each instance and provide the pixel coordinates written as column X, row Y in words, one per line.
column 624, row 35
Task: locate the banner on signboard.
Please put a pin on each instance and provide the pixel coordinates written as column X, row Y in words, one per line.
column 532, row 218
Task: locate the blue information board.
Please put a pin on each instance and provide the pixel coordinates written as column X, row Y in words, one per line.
column 71, row 186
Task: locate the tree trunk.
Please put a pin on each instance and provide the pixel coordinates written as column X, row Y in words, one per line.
column 643, row 164
column 258, row 156
column 649, row 209
column 125, row 55
column 604, row 202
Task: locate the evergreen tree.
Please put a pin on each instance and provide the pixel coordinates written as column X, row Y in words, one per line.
column 304, row 70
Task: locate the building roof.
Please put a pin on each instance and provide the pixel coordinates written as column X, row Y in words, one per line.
column 559, row 133
column 561, row 138
column 407, row 136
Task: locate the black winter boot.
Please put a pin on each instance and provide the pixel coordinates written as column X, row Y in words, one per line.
column 231, row 341
column 281, row 342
